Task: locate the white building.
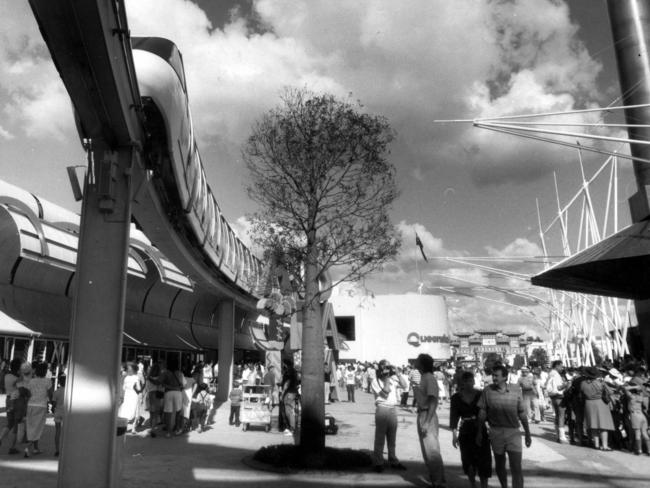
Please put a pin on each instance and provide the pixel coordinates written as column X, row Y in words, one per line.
column 393, row 327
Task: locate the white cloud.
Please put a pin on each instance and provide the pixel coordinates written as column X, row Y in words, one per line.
column 32, row 97
column 242, row 227
column 520, row 247
column 414, row 64
column 5, row 134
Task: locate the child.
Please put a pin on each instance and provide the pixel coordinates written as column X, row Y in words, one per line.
column 637, row 406
column 57, row 408
column 236, row 396
column 201, row 403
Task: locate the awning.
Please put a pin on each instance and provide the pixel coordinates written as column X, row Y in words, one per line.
column 9, row 326
column 618, row 266
column 152, row 331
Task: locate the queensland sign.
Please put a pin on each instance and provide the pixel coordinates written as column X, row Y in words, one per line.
column 416, row 339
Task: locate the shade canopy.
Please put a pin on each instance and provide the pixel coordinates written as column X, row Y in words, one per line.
column 9, row 326
column 618, row 266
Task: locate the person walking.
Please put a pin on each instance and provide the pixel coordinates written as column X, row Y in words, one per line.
column 131, row 388
column 173, row 381
column 155, row 395
column 638, row 409
column 414, row 380
column 555, row 387
column 40, row 389
column 463, row 421
column 11, row 390
column 501, row 404
column 236, row 396
column 404, row 397
column 385, row 389
column 58, row 398
column 201, row 403
column 426, row 396
column 271, row 380
column 290, row 384
column 598, row 416
column 527, row 383
column 327, row 377
column 350, row 382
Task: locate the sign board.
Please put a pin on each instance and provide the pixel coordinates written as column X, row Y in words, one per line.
column 489, row 341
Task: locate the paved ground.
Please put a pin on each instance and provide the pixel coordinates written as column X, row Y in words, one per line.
column 214, row 458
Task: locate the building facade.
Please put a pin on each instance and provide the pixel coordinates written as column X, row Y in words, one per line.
column 393, row 327
column 474, row 346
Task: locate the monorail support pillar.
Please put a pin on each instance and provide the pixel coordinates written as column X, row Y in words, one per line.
column 90, row 454
column 226, row 320
column 630, row 23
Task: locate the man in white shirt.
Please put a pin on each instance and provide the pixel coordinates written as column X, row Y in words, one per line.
column 555, row 387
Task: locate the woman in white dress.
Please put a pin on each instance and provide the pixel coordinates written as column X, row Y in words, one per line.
column 188, row 391
column 131, row 387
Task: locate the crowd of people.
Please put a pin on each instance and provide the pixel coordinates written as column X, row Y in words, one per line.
column 605, row 407
column 602, row 407
column 30, row 394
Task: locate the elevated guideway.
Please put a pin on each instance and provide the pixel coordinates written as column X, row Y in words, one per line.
column 171, row 201
column 143, row 164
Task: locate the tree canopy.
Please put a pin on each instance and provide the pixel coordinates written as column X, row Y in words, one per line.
column 318, row 170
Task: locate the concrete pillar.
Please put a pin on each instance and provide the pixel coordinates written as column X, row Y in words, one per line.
column 88, row 453
column 629, row 21
column 226, row 321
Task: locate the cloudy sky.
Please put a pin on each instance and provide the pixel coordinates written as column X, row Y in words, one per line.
column 466, row 191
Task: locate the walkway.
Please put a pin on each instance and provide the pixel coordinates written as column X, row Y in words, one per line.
column 215, row 457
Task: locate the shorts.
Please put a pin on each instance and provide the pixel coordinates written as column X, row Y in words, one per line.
column 505, row 439
column 173, row 401
column 638, row 421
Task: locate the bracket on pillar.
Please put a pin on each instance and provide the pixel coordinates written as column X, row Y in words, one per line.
column 106, row 176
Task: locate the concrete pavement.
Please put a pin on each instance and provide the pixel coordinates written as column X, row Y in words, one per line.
column 215, row 458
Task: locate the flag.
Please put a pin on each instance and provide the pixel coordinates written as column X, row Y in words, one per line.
column 418, row 243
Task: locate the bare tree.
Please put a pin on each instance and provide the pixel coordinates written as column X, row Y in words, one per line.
column 319, row 172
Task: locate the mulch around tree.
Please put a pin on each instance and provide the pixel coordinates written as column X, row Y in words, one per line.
column 287, row 458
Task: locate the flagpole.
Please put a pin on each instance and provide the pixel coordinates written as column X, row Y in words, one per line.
column 417, row 271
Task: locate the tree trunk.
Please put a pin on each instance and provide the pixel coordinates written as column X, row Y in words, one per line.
column 312, row 433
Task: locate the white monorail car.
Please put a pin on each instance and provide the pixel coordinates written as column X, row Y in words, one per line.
column 177, row 167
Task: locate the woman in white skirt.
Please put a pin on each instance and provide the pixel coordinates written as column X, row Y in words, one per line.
column 40, row 389
column 131, row 388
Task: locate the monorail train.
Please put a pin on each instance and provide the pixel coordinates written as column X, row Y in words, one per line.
column 174, row 158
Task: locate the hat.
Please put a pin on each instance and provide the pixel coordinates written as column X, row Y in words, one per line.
column 591, row 372
column 525, row 368
column 615, row 373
